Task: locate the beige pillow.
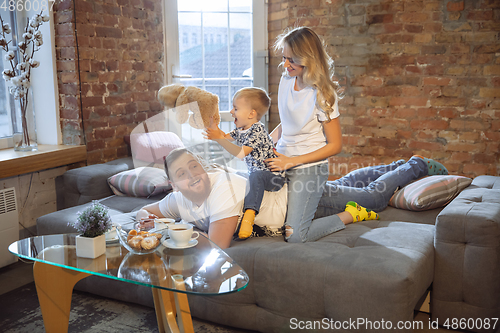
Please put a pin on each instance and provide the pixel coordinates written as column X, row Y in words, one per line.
column 140, row 182
column 429, row 192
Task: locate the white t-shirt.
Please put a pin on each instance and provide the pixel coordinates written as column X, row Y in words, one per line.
column 225, row 200
column 302, row 131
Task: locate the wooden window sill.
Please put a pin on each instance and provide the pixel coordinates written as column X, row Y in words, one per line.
column 14, row 163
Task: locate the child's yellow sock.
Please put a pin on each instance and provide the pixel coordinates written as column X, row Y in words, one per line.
column 360, row 213
column 246, row 225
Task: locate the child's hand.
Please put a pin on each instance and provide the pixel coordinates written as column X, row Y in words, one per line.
column 213, row 132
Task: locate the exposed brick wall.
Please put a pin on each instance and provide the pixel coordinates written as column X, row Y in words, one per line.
column 421, row 77
column 115, row 60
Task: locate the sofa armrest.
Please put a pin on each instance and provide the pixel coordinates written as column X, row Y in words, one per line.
column 467, row 249
column 89, row 183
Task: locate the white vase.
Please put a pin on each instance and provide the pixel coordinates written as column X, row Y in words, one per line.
column 87, row 247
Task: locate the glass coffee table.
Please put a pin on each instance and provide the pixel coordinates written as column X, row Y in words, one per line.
column 204, row 269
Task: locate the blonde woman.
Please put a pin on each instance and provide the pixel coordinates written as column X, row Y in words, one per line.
column 309, row 133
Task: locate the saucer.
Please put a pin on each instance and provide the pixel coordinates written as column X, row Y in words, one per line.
column 170, row 244
column 112, row 239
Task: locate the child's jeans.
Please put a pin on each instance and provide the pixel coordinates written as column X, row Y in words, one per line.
column 260, row 181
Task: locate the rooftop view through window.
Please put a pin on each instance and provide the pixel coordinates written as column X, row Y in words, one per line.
column 215, row 46
column 215, row 49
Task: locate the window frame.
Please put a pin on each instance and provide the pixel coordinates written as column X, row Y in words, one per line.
column 259, row 58
column 47, row 111
column 8, row 141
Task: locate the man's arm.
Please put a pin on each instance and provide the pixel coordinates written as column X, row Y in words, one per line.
column 221, row 232
column 148, row 212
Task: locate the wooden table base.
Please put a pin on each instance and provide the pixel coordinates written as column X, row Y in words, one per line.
column 54, row 286
column 167, row 305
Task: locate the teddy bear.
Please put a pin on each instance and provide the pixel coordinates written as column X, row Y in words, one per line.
column 176, row 95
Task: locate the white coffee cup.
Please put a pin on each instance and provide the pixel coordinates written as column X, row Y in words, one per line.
column 181, row 233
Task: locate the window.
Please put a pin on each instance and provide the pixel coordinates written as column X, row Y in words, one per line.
column 185, row 39
column 232, row 53
column 9, row 120
column 220, row 64
column 43, row 86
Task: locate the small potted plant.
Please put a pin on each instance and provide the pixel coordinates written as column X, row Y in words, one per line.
column 92, row 223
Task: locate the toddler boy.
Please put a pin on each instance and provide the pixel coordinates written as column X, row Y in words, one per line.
column 254, row 145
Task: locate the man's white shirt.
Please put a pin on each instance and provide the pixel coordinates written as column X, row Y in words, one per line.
column 225, row 200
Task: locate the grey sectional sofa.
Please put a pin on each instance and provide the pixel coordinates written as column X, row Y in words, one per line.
column 370, row 274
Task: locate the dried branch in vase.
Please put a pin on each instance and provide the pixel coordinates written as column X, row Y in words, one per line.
column 19, row 74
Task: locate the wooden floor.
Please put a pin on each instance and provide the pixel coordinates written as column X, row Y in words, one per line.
column 15, row 275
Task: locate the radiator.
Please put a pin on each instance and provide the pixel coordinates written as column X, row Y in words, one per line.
column 9, row 225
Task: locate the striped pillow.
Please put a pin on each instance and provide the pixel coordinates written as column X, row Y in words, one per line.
column 139, row 182
column 429, row 192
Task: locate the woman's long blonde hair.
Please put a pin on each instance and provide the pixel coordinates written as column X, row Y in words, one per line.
column 308, row 51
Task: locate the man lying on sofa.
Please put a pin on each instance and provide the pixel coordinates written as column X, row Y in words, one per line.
column 212, row 198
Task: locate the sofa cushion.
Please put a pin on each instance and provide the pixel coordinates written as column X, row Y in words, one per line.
column 429, row 192
column 403, row 215
column 490, row 182
column 140, row 182
column 82, row 185
column 467, row 244
column 375, row 269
